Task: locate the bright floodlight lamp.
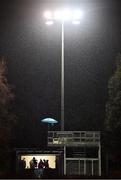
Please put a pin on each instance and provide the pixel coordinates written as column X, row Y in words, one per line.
column 77, row 15
column 49, row 22
column 48, row 15
column 66, row 15
column 57, row 15
column 63, row 15
column 76, row 22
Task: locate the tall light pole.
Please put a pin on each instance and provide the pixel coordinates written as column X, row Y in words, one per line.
column 62, row 16
column 62, row 78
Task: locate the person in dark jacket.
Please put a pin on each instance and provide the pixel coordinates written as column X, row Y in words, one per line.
column 40, row 168
column 46, row 164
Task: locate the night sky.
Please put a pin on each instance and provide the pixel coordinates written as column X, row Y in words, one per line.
column 33, row 52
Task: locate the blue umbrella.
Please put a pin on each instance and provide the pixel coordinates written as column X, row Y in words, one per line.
column 49, row 121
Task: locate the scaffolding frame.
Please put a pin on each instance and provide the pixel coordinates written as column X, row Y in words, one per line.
column 77, row 139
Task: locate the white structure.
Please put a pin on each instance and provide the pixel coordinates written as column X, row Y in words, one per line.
column 85, row 151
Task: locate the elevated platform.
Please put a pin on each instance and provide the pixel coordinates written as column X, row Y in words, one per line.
column 73, row 138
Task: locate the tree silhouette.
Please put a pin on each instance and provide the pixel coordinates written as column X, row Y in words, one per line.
column 112, row 140
column 7, row 118
column 113, row 106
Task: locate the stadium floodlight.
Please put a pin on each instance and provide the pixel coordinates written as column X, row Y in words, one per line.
column 49, row 22
column 64, row 15
column 76, row 22
column 48, row 15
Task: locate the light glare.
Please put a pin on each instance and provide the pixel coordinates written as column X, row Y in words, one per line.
column 48, row 14
column 66, row 14
column 76, row 22
column 57, row 15
column 77, row 14
column 49, row 23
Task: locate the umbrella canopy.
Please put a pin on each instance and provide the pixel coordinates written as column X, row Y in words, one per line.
column 49, row 121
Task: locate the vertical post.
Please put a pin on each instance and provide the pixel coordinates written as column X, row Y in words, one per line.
column 99, row 159
column 84, row 167
column 92, row 168
column 79, row 170
column 107, row 163
column 64, row 159
column 17, row 159
column 62, row 77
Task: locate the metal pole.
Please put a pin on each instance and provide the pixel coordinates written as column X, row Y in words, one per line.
column 99, row 158
column 84, row 167
column 62, row 89
column 64, row 159
column 62, row 77
column 92, row 168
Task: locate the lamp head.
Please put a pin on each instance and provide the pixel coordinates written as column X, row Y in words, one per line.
column 49, row 22
column 48, row 15
column 64, row 15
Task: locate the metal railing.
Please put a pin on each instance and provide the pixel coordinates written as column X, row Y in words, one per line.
column 73, row 138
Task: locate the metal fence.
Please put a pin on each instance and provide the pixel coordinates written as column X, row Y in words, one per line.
column 82, row 167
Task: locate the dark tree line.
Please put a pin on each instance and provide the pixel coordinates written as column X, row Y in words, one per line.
column 113, row 117
column 7, row 118
column 113, row 107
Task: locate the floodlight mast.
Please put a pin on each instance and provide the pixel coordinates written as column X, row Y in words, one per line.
column 62, row 16
column 62, row 77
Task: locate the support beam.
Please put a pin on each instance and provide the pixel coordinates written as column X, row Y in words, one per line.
column 64, row 160
column 99, row 157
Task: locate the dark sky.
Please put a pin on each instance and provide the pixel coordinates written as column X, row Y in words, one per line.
column 33, row 51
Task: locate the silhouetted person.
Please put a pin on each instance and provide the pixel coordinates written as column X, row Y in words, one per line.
column 40, row 167
column 33, row 163
column 40, row 164
column 43, row 163
column 46, row 164
column 22, row 164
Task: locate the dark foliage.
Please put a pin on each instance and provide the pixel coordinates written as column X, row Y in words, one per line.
column 112, row 140
column 7, row 118
column 113, row 106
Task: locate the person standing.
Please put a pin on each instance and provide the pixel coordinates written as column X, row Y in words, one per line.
column 46, row 164
column 33, row 163
column 24, row 163
column 40, row 168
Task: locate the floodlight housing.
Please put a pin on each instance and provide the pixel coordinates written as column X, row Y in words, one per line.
column 64, row 15
column 77, row 15
column 49, row 22
column 76, row 22
column 48, row 15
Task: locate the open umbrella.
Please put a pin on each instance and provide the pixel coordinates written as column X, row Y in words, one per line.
column 49, row 121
